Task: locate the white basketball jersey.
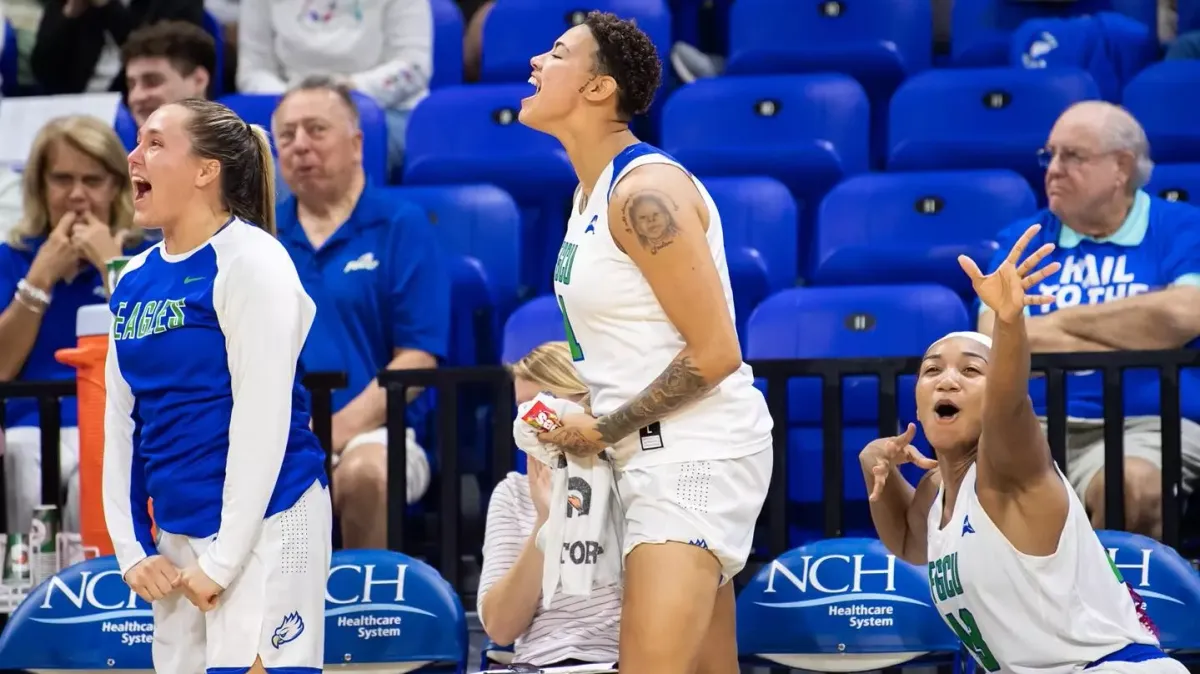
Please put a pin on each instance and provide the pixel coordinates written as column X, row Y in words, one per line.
column 1023, row 614
column 621, row 339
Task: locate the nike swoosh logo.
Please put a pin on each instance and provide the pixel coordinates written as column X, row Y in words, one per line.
column 192, row 279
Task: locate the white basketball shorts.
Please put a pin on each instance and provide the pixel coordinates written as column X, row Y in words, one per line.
column 713, row 504
column 274, row 610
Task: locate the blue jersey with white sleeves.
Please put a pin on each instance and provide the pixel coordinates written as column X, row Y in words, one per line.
column 205, row 411
column 1157, row 246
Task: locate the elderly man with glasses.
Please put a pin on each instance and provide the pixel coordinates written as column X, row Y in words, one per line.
column 1130, row 281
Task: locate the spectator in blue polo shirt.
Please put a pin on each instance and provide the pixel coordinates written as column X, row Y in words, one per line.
column 1130, row 281
column 76, row 216
column 376, row 272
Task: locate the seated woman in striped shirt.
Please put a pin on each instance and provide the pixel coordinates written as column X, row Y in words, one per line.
column 574, row 630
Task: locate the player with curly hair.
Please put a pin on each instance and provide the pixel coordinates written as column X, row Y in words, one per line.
column 644, row 290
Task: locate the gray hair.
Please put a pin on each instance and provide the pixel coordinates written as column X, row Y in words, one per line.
column 1123, row 132
column 325, row 83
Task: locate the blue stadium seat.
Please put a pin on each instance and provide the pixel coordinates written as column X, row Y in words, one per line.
column 125, row 127
column 1163, row 98
column 8, row 62
column 366, row 590
column 1188, row 13
column 254, row 108
column 1167, row 583
column 66, row 610
column 536, row 322
column 447, row 44
column 841, row 605
column 807, row 131
column 972, row 119
column 375, row 590
column 478, row 225
column 518, row 30
column 471, row 134
column 878, row 42
column 848, row 322
column 1176, row 182
column 214, row 28
column 981, row 28
column 759, row 218
column 257, row 109
column 884, row 228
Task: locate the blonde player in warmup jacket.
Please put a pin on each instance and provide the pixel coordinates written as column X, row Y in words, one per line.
column 205, row 413
column 643, row 286
column 1015, row 568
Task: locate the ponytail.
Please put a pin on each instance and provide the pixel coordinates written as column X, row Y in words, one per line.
column 265, row 203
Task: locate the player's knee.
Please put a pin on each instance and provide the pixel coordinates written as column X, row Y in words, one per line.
column 361, row 473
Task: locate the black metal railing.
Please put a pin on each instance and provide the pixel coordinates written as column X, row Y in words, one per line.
column 451, row 408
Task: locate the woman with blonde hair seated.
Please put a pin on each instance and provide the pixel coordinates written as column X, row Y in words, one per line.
column 574, row 630
column 77, row 215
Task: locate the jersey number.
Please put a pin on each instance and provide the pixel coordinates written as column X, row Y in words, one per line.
column 576, row 350
column 968, row 633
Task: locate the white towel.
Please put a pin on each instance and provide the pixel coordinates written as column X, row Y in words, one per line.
column 582, row 538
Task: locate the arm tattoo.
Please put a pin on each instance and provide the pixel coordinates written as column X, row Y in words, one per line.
column 650, row 215
column 678, row 385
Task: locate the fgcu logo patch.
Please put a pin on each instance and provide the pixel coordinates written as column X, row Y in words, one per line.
column 1166, row 585
column 818, row 598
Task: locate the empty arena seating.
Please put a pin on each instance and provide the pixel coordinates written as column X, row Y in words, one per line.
column 841, row 605
column 885, row 228
column 258, row 109
column 845, row 322
column 384, row 611
column 479, row 226
column 470, row 134
column 8, row 61
column 879, row 43
column 1176, row 182
column 537, row 321
column 1171, row 128
column 759, row 219
column 517, row 30
column 447, row 44
column 981, row 28
column 807, row 131
column 990, row 118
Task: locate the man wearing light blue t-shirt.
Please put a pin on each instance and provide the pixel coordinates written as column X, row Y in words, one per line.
column 1130, row 281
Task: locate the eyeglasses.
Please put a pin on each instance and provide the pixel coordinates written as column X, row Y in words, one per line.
column 1067, row 156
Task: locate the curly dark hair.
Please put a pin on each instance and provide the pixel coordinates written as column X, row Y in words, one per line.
column 627, row 54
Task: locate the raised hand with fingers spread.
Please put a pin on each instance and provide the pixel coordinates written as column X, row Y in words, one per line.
column 885, row 454
column 1006, row 290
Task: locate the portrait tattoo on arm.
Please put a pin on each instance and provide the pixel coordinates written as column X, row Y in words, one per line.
column 678, row 385
column 650, row 215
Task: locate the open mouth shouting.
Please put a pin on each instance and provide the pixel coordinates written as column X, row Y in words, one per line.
column 537, row 87
column 946, row 411
column 141, row 189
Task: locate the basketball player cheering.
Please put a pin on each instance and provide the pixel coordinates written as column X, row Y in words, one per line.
column 1015, row 568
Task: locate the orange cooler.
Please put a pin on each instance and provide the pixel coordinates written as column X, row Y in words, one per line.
column 92, row 326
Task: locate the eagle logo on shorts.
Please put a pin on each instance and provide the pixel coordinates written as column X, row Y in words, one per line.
column 289, row 630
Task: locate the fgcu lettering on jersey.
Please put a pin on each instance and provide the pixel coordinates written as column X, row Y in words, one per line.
column 1164, row 581
column 84, row 618
column 385, row 607
column 838, row 599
